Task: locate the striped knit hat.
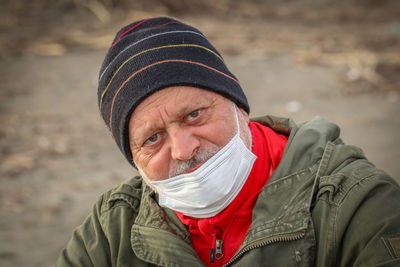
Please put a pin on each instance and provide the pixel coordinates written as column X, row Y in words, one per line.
column 150, row 55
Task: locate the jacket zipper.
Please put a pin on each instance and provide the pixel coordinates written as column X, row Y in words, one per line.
column 268, row 241
column 216, row 252
column 218, row 249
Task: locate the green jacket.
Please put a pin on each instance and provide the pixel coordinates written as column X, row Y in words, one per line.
column 325, row 205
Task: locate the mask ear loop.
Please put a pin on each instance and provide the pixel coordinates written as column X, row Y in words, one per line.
column 236, row 118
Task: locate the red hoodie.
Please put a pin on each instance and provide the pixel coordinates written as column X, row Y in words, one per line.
column 216, row 239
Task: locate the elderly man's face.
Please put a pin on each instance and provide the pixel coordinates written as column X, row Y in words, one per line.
column 177, row 129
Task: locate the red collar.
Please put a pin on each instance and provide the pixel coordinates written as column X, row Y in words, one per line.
column 232, row 223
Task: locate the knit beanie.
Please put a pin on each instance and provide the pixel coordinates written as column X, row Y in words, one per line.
column 150, row 55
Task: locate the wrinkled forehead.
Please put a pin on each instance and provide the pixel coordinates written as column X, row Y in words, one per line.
column 177, row 99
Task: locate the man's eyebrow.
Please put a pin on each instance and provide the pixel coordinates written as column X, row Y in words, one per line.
column 184, row 110
column 196, row 104
column 141, row 132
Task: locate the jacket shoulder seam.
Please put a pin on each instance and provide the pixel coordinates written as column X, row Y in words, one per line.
column 124, row 194
column 356, row 183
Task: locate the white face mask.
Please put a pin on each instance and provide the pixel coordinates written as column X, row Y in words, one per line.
column 209, row 189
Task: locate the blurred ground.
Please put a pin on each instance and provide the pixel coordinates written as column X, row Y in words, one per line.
column 340, row 60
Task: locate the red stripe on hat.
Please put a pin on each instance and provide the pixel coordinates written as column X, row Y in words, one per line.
column 128, row 30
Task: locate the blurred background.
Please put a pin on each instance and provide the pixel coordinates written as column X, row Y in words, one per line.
column 299, row 59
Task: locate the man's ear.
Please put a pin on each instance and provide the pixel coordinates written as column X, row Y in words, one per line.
column 244, row 115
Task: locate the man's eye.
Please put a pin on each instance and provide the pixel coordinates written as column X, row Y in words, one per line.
column 193, row 115
column 152, row 139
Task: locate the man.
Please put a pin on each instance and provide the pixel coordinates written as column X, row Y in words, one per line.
column 215, row 187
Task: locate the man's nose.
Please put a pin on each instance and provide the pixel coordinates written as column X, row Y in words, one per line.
column 184, row 144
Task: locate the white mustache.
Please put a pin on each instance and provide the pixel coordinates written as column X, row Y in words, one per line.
column 201, row 156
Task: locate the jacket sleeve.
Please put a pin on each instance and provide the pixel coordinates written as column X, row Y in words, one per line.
column 368, row 222
column 88, row 245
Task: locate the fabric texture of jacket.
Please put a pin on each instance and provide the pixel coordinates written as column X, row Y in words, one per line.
column 325, row 205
